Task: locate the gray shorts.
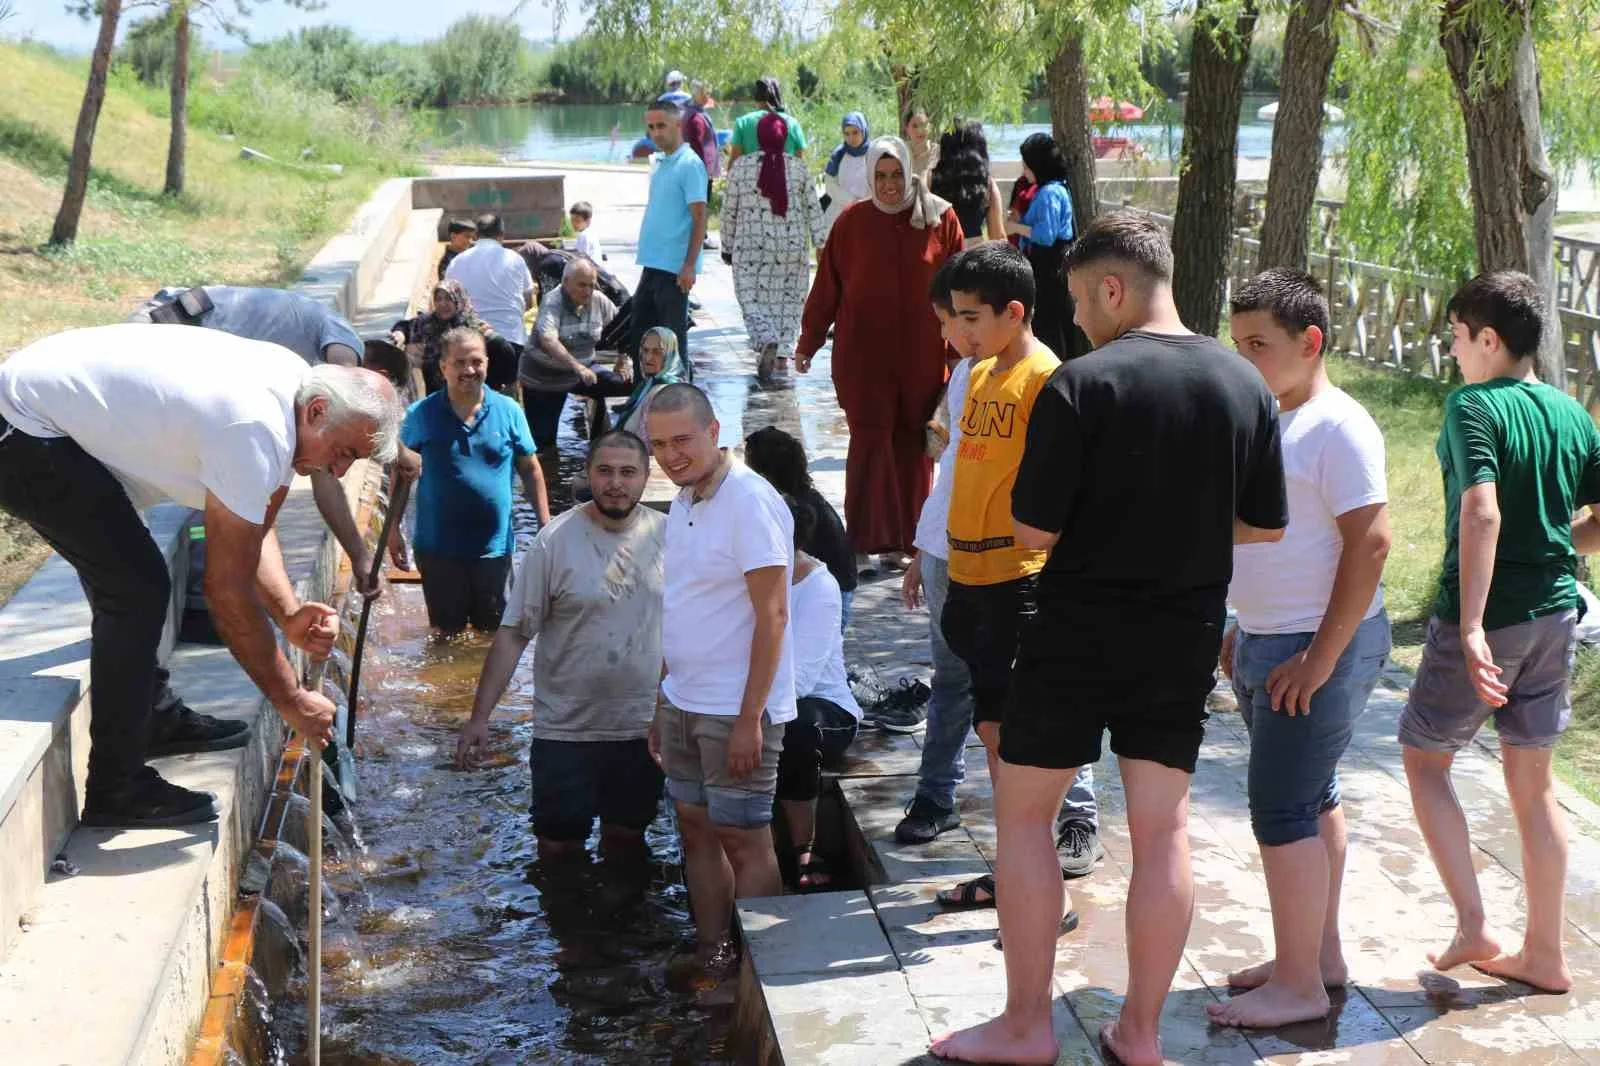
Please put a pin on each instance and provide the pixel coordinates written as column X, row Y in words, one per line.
column 1443, row 712
column 694, row 754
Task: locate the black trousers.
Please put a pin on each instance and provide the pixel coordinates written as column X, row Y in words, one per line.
column 82, row 511
column 458, row 591
column 544, row 408
column 659, row 302
column 821, row 731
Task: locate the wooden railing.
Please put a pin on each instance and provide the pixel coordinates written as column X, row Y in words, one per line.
column 1395, row 320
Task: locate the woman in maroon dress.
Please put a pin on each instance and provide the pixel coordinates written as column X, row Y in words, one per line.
column 888, row 356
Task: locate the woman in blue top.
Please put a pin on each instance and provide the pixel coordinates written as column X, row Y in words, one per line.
column 1047, row 232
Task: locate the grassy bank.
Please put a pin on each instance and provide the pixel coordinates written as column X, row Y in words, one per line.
column 1409, row 411
column 240, row 222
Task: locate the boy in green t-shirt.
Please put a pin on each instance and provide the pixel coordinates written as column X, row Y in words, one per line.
column 1519, row 459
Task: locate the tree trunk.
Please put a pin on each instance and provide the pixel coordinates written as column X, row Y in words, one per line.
column 65, row 230
column 1513, row 192
column 1068, row 90
column 1309, row 45
column 180, row 100
column 1202, row 228
column 904, row 96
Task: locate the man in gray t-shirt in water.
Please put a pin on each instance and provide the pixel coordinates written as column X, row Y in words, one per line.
column 590, row 590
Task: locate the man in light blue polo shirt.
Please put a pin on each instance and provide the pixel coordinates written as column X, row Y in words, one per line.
column 470, row 437
column 672, row 233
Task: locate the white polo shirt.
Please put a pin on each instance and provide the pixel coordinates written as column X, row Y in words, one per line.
column 173, row 411
column 708, row 621
column 497, row 282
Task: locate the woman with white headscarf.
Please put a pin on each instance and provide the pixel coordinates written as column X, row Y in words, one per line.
column 888, row 355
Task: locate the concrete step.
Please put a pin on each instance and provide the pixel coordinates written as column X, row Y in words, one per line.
column 44, row 716
column 132, row 936
column 405, row 277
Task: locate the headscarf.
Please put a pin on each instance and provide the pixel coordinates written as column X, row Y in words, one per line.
column 926, row 209
column 434, row 328
column 672, row 372
column 859, row 121
column 772, row 177
column 769, row 94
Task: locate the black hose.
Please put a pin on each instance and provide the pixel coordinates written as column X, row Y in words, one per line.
column 397, row 507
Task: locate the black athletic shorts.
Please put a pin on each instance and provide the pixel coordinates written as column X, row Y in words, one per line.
column 459, row 591
column 981, row 624
column 577, row 781
column 1083, row 668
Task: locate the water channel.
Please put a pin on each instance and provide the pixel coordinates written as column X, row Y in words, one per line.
column 604, row 133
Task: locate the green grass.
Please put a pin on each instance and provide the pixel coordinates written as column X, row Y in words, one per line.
column 238, row 221
column 1409, row 411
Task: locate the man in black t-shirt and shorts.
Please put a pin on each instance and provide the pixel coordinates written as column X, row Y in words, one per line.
column 1146, row 461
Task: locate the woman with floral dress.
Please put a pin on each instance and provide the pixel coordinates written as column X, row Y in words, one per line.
column 770, row 221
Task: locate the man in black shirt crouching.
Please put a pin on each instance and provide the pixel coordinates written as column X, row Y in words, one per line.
column 1146, row 461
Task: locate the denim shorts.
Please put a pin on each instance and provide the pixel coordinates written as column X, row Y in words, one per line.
column 694, row 752
column 1294, row 759
column 577, row 781
column 1535, row 657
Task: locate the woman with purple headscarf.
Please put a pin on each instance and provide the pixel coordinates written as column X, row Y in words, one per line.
column 770, row 219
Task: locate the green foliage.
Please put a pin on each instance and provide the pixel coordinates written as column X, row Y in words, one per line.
column 480, row 58
column 1569, row 56
column 580, row 70
column 149, row 48
column 294, row 122
column 1408, row 203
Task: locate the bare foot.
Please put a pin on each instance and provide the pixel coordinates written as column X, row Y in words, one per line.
column 997, row 1040
column 1269, row 1006
column 1334, row 975
column 1130, row 1054
column 1547, row 976
column 1477, row 947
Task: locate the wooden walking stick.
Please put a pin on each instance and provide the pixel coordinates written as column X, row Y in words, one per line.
column 398, row 493
column 314, row 932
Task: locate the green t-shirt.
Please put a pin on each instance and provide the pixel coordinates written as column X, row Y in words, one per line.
column 744, row 133
column 1541, row 449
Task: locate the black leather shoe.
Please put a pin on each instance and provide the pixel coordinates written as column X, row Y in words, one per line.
column 182, row 730
column 148, row 801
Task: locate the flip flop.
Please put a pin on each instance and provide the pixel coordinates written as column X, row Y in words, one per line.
column 964, row 896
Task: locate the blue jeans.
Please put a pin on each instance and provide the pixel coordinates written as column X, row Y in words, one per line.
column 1294, row 760
column 950, row 714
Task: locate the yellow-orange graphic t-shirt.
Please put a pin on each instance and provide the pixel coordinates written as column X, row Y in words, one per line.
column 994, row 428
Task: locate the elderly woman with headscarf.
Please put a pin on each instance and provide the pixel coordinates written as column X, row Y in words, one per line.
column 770, row 96
column 770, row 219
column 660, row 364
column 422, row 336
column 845, row 177
column 888, row 355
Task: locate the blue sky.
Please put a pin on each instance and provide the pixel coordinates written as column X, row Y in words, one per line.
column 407, row 20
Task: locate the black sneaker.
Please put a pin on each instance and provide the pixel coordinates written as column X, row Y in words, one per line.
column 148, row 801
column 183, row 730
column 925, row 820
column 1078, row 847
column 903, row 708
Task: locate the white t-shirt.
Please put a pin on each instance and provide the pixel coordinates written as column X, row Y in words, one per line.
column 588, row 244
column 815, row 609
column 933, row 536
column 1332, row 464
column 590, row 599
column 172, row 411
column 708, row 621
column 497, row 282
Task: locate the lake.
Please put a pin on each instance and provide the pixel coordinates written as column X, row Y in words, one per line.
column 603, row 133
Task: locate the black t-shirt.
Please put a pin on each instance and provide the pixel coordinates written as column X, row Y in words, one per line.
column 830, row 545
column 1141, row 454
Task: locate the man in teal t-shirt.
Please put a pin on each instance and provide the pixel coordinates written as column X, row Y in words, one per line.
column 1520, row 458
column 672, row 233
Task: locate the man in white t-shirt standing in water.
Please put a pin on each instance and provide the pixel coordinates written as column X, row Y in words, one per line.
column 729, row 684
column 96, row 424
column 1310, row 643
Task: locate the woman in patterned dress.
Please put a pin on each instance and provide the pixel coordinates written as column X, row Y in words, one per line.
column 770, row 220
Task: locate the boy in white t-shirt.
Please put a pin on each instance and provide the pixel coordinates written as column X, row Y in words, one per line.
column 1311, row 639
column 582, row 217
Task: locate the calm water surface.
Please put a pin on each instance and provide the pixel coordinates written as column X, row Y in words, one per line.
column 604, row 133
